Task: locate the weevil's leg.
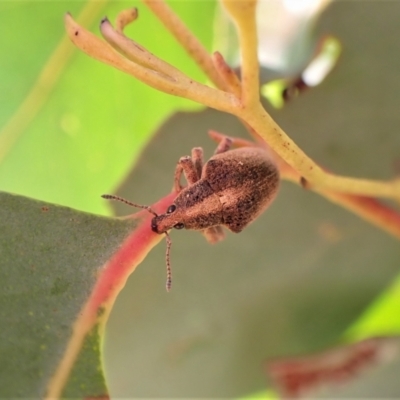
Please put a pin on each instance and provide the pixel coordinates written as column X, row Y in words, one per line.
column 236, row 142
column 214, row 234
column 224, row 145
column 177, row 178
column 185, row 165
column 198, row 161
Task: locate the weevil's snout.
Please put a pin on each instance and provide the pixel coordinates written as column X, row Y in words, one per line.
column 160, row 224
column 164, row 222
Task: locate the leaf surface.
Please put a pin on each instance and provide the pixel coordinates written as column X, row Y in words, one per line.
column 93, row 121
column 60, row 271
column 50, row 256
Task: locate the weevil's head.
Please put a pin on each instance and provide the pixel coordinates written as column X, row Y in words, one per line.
column 196, row 207
column 171, row 219
column 154, row 227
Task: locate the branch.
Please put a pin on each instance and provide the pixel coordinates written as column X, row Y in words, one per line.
column 164, row 77
column 186, row 39
column 243, row 13
column 288, row 150
column 253, row 113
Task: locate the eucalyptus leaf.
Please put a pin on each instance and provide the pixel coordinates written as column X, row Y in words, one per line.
column 50, row 259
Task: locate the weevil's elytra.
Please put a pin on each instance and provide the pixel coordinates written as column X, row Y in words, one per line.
column 232, row 189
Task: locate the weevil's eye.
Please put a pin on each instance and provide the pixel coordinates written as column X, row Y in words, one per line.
column 171, row 209
column 179, row 225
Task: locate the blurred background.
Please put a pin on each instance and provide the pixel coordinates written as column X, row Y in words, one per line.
column 304, row 277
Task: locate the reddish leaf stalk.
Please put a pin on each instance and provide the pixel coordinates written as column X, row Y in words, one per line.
column 112, row 279
column 370, row 209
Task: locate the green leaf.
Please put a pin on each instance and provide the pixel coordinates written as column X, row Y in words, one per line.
column 62, row 141
column 60, row 271
column 92, row 121
column 50, row 257
column 290, row 284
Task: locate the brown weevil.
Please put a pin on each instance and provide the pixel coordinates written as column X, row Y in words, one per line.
column 231, row 189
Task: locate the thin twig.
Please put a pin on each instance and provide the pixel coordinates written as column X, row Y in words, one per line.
column 288, row 150
column 229, row 76
column 243, row 13
column 180, row 85
column 136, row 53
column 255, row 115
column 124, row 18
column 186, row 39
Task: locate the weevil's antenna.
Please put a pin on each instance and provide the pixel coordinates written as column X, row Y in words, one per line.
column 168, row 284
column 121, row 199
